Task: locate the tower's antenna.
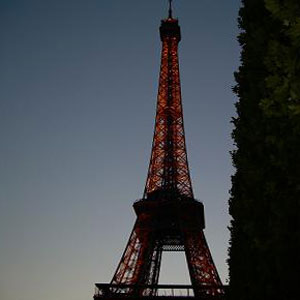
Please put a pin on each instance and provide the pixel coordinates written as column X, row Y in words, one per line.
column 170, row 9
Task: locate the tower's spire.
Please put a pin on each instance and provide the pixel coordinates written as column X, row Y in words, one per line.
column 170, row 9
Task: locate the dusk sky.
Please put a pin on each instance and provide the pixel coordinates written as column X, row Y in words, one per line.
column 78, row 86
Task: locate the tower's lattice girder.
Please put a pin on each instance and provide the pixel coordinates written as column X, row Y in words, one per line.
column 168, row 216
column 168, row 169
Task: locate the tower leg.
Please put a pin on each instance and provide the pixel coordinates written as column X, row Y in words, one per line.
column 203, row 273
column 140, row 263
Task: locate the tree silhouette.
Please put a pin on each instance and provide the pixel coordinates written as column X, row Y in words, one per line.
column 264, row 253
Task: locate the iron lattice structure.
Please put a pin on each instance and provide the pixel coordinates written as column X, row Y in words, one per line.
column 168, row 216
column 168, row 169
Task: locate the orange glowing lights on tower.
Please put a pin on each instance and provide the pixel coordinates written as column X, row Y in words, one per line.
column 168, row 216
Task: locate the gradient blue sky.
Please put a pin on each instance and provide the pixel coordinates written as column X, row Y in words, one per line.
column 78, row 94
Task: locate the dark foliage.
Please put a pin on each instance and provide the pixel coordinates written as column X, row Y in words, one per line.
column 264, row 254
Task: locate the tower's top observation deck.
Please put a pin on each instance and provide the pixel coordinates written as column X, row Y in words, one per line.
column 169, row 27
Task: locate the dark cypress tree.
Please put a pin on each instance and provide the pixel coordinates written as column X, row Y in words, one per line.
column 264, row 254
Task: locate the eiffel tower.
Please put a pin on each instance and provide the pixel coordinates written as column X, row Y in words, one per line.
column 168, row 216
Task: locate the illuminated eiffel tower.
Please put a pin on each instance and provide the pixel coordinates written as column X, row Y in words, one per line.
column 168, row 216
